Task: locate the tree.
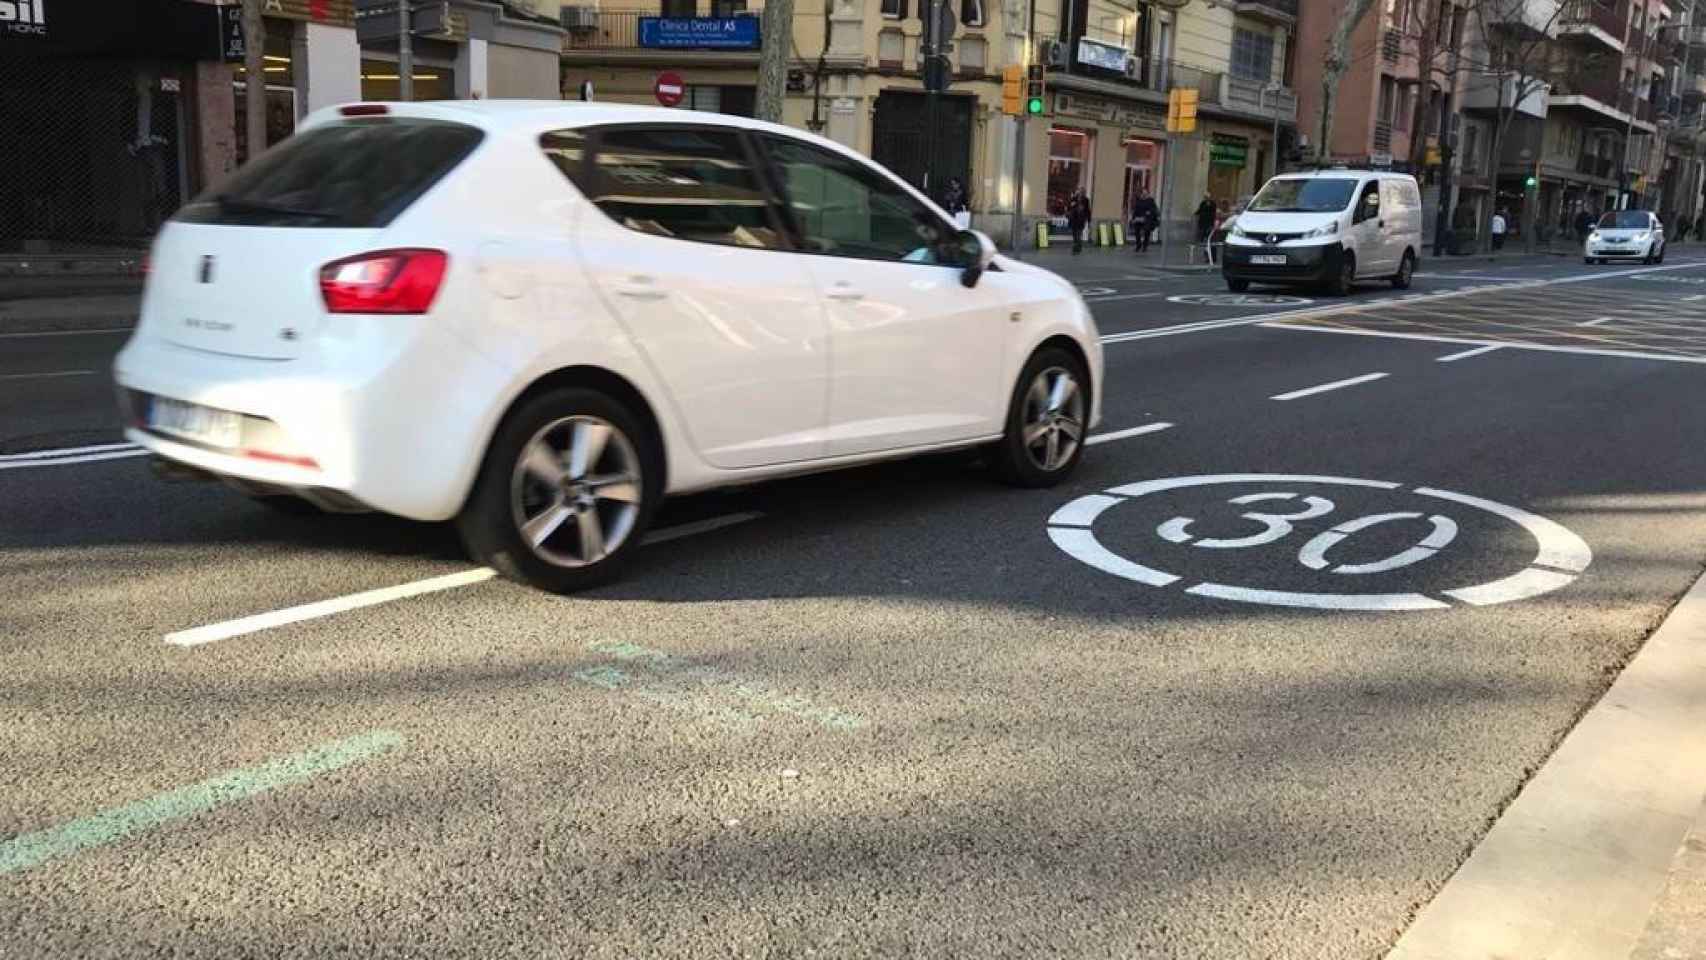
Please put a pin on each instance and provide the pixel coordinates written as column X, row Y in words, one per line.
column 778, row 34
column 1334, row 64
column 254, row 78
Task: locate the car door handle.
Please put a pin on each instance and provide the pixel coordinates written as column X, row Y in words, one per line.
column 641, row 288
column 842, row 291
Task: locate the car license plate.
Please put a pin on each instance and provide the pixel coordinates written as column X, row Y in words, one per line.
column 192, row 421
column 1268, row 258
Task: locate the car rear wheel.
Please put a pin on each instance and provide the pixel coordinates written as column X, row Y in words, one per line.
column 1047, row 420
column 1237, row 285
column 567, row 488
column 1406, row 270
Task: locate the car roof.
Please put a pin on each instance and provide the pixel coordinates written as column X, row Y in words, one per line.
column 1343, row 172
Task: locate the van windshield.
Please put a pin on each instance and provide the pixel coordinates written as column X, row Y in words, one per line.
column 360, row 174
column 1314, row 195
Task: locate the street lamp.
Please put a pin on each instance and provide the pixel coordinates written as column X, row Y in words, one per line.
column 1274, row 88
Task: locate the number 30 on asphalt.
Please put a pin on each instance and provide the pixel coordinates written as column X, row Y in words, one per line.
column 1313, row 554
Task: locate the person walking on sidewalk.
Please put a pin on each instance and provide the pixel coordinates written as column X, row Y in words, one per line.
column 1584, row 223
column 1206, row 213
column 1498, row 230
column 1145, row 216
column 1078, row 218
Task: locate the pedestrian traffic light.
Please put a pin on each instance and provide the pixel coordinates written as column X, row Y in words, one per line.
column 1531, row 182
column 1012, row 90
column 1034, row 89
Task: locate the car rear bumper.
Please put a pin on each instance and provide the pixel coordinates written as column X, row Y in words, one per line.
column 1304, row 265
column 397, row 425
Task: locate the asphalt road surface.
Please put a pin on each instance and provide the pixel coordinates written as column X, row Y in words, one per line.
column 1333, row 582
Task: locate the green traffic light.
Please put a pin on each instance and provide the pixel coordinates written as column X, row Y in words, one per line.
column 1531, row 182
column 1034, row 105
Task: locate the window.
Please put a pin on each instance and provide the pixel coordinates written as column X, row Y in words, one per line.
column 357, row 174
column 891, row 49
column 1471, row 148
column 1070, row 151
column 1368, row 207
column 1252, row 55
column 727, row 8
column 1388, row 94
column 1401, row 121
column 974, row 56
column 682, row 182
column 894, row 9
column 843, row 209
column 680, row 8
column 971, row 13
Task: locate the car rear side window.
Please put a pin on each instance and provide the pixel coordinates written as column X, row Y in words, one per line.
column 357, row 174
column 687, row 183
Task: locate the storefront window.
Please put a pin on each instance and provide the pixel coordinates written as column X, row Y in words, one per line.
column 1069, row 153
column 1142, row 172
column 280, row 85
column 1227, row 158
column 433, row 81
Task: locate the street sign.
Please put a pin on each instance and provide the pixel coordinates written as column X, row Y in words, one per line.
column 669, row 88
column 379, row 19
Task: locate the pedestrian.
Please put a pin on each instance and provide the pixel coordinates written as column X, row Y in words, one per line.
column 1145, row 216
column 1498, row 230
column 1584, row 223
column 1078, row 218
column 957, row 202
column 1207, row 212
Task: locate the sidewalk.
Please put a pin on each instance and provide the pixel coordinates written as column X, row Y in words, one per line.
column 93, row 311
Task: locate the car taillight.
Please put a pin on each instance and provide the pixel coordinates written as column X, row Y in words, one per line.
column 385, row 281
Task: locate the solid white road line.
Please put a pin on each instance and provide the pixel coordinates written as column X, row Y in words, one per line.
column 61, row 461
column 1323, row 388
column 1122, row 434
column 1466, row 354
column 46, row 376
column 66, row 452
column 1698, row 296
column 325, row 608
column 1594, row 322
column 65, row 333
column 355, row 601
column 1122, row 296
column 1467, row 341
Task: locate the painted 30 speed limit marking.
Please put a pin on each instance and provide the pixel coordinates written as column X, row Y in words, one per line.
column 1287, row 511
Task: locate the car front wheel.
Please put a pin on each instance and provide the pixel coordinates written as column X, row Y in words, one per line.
column 1048, row 418
column 567, row 488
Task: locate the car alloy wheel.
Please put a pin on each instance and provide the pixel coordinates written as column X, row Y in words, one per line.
column 575, row 491
column 1053, row 419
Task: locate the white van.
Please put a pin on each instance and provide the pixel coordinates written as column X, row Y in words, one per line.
column 1331, row 228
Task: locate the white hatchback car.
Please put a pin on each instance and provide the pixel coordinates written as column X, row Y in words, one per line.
column 1626, row 235
column 540, row 318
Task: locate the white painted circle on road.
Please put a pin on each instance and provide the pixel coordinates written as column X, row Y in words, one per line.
column 1096, row 291
column 1240, row 300
column 1273, row 508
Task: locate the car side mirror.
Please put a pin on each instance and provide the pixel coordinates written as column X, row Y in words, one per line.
column 976, row 251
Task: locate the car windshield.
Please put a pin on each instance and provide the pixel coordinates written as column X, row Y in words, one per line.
column 1625, row 219
column 1315, row 195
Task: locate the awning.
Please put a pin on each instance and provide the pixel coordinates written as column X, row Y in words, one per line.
column 171, row 29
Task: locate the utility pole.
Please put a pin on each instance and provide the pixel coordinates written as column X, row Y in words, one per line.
column 778, row 35
column 405, row 51
column 254, row 79
column 1623, row 184
column 936, row 42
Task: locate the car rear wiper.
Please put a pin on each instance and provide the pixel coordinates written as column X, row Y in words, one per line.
column 239, row 205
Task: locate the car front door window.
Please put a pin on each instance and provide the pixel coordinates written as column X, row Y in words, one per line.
column 842, row 209
column 683, row 182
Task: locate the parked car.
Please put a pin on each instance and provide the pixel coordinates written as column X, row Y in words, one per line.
column 1331, row 228
column 539, row 319
column 1626, row 235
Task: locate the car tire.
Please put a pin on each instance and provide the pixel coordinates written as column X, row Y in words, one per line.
column 568, row 472
column 1344, row 279
column 1406, row 270
column 1661, row 257
column 1237, row 285
column 1033, row 450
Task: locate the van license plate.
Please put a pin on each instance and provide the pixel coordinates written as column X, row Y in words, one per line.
column 192, row 421
column 1268, row 259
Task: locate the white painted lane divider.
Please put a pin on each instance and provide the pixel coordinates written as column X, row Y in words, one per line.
column 1465, row 354
column 69, row 455
column 1479, row 341
column 47, row 376
column 1594, row 322
column 1113, row 435
column 1323, row 388
column 325, row 608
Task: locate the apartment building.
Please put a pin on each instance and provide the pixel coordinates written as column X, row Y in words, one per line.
column 854, row 76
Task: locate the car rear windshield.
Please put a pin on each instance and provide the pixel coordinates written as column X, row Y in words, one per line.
column 1316, row 195
column 1625, row 219
column 357, row 174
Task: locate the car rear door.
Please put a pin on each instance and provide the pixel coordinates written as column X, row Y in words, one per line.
column 693, row 262
column 915, row 354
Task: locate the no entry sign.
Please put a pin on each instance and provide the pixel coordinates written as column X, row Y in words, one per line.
column 669, row 88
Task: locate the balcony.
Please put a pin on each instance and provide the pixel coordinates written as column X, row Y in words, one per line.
column 1283, row 12
column 1604, row 168
column 1170, row 75
column 1530, row 17
column 722, row 31
column 1599, row 93
column 1483, row 95
column 1258, row 99
column 1598, row 21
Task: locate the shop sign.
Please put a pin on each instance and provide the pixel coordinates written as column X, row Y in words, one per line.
column 336, row 12
column 1228, row 153
column 1105, row 56
column 699, row 33
column 233, row 49
column 23, row 18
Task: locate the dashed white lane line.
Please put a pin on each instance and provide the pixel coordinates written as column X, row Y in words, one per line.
column 1466, row 354
column 66, row 452
column 1594, row 322
column 25, row 461
column 1120, row 296
column 1323, row 388
column 1123, row 434
column 1698, row 296
column 241, row 626
column 47, row 376
column 1476, row 341
column 66, row 333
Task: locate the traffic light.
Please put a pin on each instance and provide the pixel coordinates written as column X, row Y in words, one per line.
column 1012, row 87
column 1531, row 182
column 1034, row 89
